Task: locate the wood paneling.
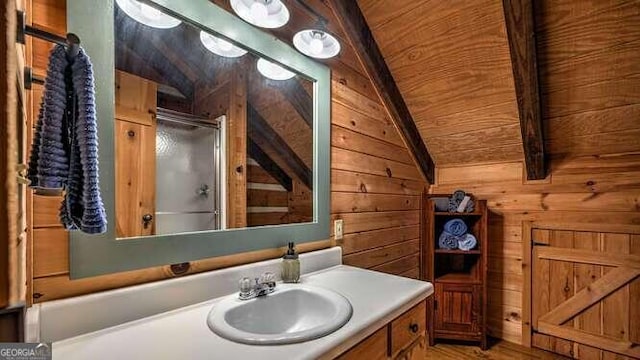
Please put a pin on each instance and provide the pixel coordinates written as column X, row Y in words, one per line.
column 374, row 239
column 400, row 266
column 237, row 150
column 581, row 193
column 8, row 150
column 298, row 200
column 51, row 249
column 450, row 75
column 459, row 86
column 359, row 171
column 135, row 144
column 589, row 70
column 375, row 187
column 378, row 256
column 361, row 39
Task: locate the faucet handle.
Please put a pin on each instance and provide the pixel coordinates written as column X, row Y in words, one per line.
column 246, row 287
column 267, row 277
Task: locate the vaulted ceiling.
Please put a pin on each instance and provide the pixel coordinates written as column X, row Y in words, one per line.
column 451, row 62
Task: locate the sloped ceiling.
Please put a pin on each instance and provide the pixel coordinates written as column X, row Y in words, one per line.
column 451, row 62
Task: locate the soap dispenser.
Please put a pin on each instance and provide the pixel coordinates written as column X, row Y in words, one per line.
column 291, row 265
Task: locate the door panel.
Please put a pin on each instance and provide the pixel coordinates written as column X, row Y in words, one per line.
column 585, row 293
column 453, row 304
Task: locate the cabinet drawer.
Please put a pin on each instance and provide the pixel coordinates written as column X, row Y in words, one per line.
column 372, row 348
column 417, row 350
column 408, row 327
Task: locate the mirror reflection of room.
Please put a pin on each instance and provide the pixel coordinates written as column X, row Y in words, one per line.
column 207, row 135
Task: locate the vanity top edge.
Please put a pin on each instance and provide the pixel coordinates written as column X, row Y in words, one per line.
column 357, row 285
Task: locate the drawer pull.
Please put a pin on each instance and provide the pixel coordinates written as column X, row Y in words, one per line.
column 414, row 328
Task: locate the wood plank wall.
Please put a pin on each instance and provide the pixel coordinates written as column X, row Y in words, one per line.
column 589, row 64
column 267, row 199
column 375, row 187
column 8, row 147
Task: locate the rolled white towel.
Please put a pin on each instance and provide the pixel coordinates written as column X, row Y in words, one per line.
column 467, row 242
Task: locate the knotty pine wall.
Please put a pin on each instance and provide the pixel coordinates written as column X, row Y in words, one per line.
column 589, row 59
column 375, row 188
column 267, row 192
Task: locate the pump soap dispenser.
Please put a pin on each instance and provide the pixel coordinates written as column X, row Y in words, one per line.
column 291, row 265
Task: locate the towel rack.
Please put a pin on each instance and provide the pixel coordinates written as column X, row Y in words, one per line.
column 71, row 42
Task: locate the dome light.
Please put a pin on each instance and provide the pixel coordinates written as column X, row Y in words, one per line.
column 147, row 15
column 269, row 14
column 316, row 43
column 259, row 10
column 219, row 46
column 273, row 71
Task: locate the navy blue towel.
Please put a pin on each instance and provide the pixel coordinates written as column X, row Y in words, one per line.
column 455, row 227
column 64, row 154
column 448, row 241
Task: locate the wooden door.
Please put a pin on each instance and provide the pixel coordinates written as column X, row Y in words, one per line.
column 585, row 294
column 457, row 308
column 135, row 162
column 135, row 178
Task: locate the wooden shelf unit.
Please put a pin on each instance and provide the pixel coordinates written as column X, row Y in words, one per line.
column 441, row 213
column 457, row 311
column 458, row 251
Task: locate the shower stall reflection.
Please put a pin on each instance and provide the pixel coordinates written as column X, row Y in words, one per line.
column 188, row 173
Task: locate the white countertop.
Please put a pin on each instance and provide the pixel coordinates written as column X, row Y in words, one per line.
column 183, row 333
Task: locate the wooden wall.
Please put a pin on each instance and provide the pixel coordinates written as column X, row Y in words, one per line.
column 8, row 153
column 266, row 198
column 604, row 189
column 589, row 60
column 270, row 204
column 375, row 186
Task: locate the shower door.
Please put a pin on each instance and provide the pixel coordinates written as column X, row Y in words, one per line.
column 188, row 173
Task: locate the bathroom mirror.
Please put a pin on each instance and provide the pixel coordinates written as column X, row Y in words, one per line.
column 214, row 136
column 187, row 103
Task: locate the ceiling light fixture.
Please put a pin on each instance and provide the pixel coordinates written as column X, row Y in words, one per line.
column 219, row 46
column 273, row 71
column 147, row 15
column 316, row 43
column 269, row 14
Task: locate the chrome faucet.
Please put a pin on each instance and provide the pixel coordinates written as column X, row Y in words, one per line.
column 262, row 286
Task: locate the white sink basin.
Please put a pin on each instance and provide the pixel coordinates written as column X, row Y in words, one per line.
column 293, row 313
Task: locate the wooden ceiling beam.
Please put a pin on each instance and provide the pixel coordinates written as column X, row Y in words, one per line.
column 519, row 22
column 147, row 64
column 270, row 166
column 361, row 38
column 298, row 97
column 259, row 129
column 129, row 35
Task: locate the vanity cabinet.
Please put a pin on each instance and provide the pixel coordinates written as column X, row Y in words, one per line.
column 404, row 338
